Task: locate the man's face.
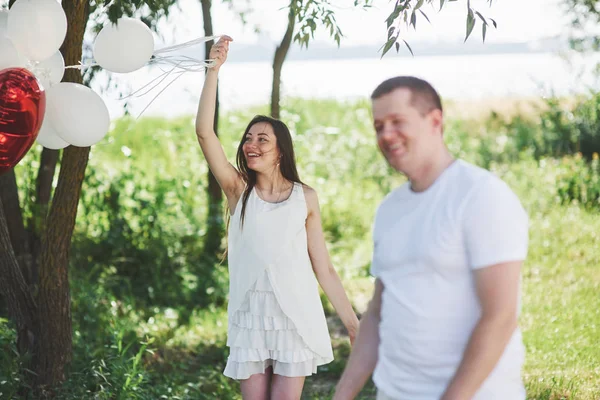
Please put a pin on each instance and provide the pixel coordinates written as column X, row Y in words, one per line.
column 405, row 136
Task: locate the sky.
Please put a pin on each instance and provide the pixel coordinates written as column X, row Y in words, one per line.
column 518, row 20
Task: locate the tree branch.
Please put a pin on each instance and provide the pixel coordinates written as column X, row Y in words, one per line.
column 278, row 60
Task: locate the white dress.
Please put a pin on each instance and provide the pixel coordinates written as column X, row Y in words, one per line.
column 275, row 313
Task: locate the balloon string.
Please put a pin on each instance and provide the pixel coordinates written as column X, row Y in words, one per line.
column 164, row 75
column 158, row 53
column 81, row 66
column 159, row 93
column 186, row 44
column 179, row 63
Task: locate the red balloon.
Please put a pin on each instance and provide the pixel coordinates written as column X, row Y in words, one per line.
column 22, row 109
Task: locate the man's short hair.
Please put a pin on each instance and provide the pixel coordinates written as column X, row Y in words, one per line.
column 423, row 96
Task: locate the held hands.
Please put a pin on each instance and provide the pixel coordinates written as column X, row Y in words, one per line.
column 219, row 51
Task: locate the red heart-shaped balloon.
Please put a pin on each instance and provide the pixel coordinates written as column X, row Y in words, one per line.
column 22, row 109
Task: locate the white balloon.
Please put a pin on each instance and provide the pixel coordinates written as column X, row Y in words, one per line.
column 125, row 46
column 77, row 113
column 48, row 137
column 9, row 55
column 37, row 27
column 50, row 71
column 3, row 20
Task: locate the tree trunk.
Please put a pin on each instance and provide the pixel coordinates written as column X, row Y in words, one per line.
column 215, row 226
column 19, row 239
column 37, row 223
column 278, row 59
column 14, row 289
column 54, row 294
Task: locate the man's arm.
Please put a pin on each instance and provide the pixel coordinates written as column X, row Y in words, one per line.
column 496, row 232
column 497, row 290
column 363, row 358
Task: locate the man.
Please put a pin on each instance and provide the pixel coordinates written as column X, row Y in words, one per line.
column 448, row 249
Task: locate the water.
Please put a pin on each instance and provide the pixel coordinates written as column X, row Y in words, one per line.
column 469, row 77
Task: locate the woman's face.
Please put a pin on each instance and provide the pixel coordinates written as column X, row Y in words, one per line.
column 260, row 147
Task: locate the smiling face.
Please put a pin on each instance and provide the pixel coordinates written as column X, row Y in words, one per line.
column 406, row 135
column 260, row 148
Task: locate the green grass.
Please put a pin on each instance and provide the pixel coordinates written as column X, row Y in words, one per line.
column 561, row 305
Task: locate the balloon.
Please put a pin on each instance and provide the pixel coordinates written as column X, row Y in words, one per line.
column 77, row 113
column 3, row 20
column 49, row 71
column 9, row 55
column 124, row 47
column 22, row 109
column 37, row 27
column 48, row 136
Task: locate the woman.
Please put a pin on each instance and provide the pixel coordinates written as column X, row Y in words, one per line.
column 277, row 329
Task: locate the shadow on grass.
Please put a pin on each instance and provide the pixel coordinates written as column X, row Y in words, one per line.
column 181, row 373
column 184, row 373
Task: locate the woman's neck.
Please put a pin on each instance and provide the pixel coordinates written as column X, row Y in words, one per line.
column 272, row 183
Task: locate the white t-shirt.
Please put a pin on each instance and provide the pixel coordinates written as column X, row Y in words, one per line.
column 426, row 246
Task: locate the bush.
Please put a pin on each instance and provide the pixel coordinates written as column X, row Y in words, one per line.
column 11, row 363
column 580, row 182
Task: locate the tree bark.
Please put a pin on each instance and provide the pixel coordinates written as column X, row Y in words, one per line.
column 215, row 225
column 54, row 294
column 14, row 289
column 9, row 194
column 37, row 224
column 278, row 59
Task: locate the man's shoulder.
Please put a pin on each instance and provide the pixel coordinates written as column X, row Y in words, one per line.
column 483, row 188
column 472, row 174
column 471, row 178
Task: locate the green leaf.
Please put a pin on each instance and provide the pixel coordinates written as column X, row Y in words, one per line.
column 413, row 20
column 441, row 4
column 419, row 4
column 409, row 49
column 481, row 17
column 470, row 24
column 483, row 31
column 388, row 45
column 425, row 15
column 494, row 22
column 397, row 47
column 392, row 17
